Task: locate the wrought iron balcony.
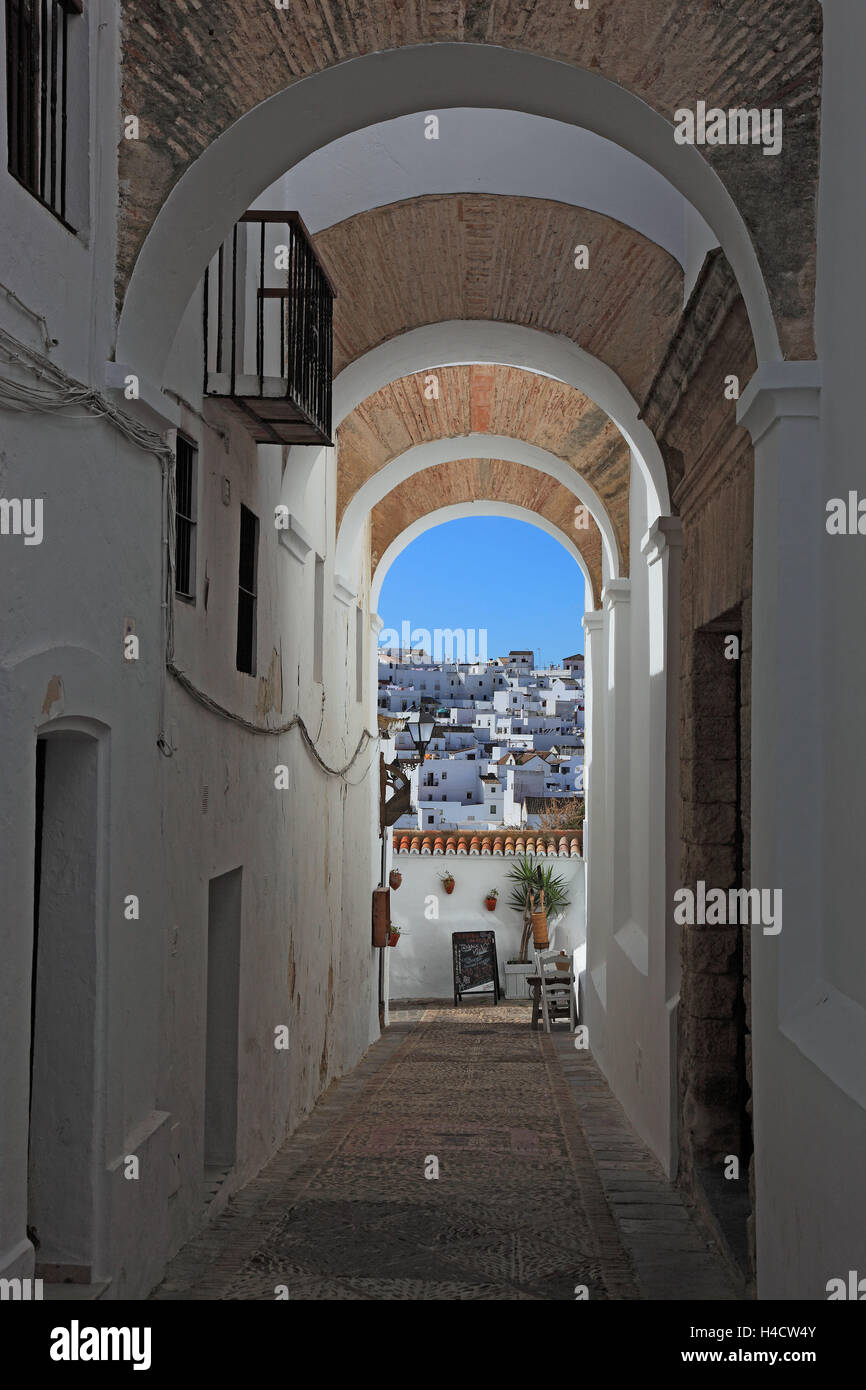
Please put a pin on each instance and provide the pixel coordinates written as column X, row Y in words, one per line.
column 268, row 334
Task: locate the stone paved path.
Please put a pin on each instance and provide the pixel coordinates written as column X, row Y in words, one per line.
column 542, row 1185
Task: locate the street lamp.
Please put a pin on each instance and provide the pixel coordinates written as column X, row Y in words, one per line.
column 421, row 729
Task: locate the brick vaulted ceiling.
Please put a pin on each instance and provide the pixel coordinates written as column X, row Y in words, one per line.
column 471, row 480
column 489, row 400
column 190, row 70
column 452, row 256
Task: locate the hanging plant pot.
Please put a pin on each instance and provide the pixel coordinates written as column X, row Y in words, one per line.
column 395, row 878
column 393, row 938
column 448, row 883
column 539, row 930
column 490, row 904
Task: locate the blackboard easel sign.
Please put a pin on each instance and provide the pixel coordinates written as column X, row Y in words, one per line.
column 475, row 963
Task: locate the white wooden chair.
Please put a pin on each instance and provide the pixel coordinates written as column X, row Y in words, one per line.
column 556, row 989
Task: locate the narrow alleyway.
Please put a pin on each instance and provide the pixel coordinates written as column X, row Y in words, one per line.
column 542, row 1185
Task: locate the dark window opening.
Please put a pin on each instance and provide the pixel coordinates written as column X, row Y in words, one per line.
column 37, row 49
column 185, row 517
column 247, row 592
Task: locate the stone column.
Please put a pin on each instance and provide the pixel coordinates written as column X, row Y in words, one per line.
column 617, row 602
column 662, row 548
column 595, row 843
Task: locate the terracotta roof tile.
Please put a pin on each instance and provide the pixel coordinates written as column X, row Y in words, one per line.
column 546, row 843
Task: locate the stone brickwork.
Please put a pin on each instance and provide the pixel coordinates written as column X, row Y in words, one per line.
column 489, row 399
column 191, row 70
column 472, row 256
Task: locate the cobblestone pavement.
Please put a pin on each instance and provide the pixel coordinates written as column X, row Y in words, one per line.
column 542, row 1186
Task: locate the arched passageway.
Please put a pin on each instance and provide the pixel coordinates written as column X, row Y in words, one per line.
column 639, row 354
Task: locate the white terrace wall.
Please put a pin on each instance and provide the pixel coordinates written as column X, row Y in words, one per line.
column 420, row 966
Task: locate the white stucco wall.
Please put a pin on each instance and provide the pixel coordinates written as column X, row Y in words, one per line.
column 809, row 984
column 626, row 987
column 420, row 966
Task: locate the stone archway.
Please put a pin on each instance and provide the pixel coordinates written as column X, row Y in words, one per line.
column 455, row 512
column 481, row 341
column 187, row 224
column 439, row 451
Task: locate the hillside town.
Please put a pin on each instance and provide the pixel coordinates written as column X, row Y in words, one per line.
column 507, row 745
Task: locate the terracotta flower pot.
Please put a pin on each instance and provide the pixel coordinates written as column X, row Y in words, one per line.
column 393, row 938
column 490, row 904
column 448, row 885
column 395, row 878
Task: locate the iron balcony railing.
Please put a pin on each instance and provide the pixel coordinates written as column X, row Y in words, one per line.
column 268, row 330
column 37, row 61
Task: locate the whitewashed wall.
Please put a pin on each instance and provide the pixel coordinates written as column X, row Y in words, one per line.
column 629, row 1015
column 420, row 966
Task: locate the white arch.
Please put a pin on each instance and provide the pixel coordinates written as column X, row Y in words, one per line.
column 506, row 153
column 511, row 345
column 464, row 446
column 456, row 512
column 229, row 175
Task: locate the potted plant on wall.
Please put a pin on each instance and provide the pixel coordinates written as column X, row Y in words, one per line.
column 540, row 892
column 394, row 933
column 395, row 878
column 490, row 900
column 447, row 881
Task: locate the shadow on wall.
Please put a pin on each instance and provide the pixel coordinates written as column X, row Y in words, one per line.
column 421, row 965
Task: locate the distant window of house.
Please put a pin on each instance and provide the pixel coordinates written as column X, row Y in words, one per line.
column 185, row 471
column 429, row 820
column 319, row 620
column 247, row 592
column 37, row 88
column 493, row 810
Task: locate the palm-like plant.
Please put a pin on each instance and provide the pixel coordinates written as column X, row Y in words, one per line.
column 531, row 879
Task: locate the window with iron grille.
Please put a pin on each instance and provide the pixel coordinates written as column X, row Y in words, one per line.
column 247, row 592
column 185, row 470
column 37, row 82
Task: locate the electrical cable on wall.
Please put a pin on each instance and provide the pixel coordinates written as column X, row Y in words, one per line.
column 62, row 392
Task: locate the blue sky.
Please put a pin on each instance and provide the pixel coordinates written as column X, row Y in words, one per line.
column 489, row 572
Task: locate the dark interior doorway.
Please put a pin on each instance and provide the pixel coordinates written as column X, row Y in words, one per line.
column 61, row 1141
column 223, row 998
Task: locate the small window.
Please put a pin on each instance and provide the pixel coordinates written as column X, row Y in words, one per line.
column 247, row 592
column 319, row 620
column 185, row 470
column 429, row 820
column 493, row 810
column 37, row 93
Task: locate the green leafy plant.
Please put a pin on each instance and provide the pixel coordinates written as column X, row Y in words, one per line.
column 530, row 878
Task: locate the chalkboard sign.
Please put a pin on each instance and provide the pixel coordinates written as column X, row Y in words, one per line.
column 475, row 963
